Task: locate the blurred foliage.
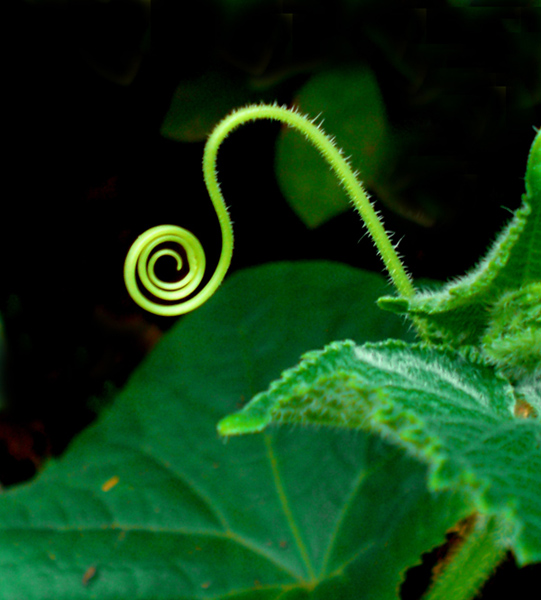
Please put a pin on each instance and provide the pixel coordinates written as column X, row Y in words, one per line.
column 356, row 119
column 198, row 104
column 460, row 86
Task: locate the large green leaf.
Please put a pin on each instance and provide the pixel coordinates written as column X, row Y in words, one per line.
column 452, row 412
column 149, row 503
column 461, row 312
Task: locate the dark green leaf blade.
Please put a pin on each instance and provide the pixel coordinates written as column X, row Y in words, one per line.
column 149, row 503
column 450, row 411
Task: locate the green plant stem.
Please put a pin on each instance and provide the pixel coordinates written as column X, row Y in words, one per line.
column 336, row 160
column 472, row 564
column 140, row 265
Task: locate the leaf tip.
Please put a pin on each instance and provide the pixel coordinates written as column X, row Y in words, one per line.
column 393, row 304
column 242, row 422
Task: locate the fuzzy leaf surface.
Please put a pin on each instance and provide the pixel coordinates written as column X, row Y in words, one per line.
column 150, row 504
column 459, row 313
column 451, row 412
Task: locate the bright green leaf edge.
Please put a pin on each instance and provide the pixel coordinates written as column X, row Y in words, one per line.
column 450, row 411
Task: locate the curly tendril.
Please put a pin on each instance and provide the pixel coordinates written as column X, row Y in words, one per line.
column 142, row 259
column 140, row 262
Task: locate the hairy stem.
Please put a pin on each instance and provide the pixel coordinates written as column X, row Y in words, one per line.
column 335, row 159
column 472, row 564
column 180, row 297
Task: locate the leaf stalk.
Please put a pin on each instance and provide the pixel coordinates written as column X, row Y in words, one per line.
column 472, row 563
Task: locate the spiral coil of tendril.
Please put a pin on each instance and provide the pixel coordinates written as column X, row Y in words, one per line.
column 141, row 263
